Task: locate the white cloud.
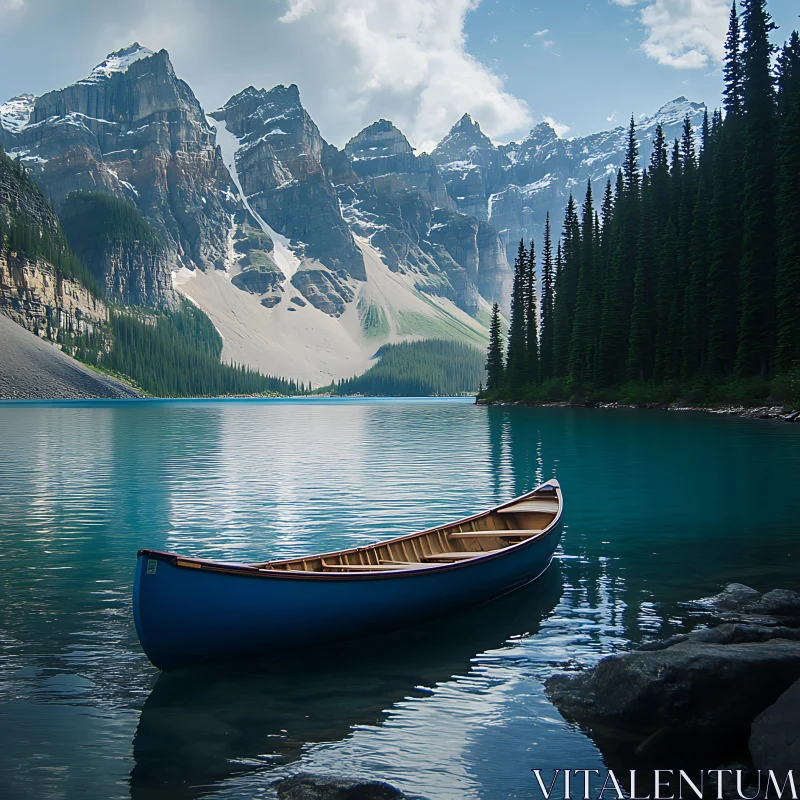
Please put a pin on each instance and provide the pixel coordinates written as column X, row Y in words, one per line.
column 542, row 32
column 407, row 60
column 686, row 34
column 560, row 128
column 6, row 6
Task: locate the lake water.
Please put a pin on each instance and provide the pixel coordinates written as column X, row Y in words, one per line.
column 660, row 508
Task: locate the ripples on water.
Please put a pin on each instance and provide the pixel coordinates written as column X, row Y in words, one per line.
column 661, row 508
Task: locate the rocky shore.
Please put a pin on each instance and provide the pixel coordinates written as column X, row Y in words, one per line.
column 724, row 694
column 759, row 412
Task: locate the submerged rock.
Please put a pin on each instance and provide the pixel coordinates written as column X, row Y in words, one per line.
column 321, row 787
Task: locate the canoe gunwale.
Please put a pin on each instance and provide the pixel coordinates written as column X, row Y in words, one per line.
column 481, row 557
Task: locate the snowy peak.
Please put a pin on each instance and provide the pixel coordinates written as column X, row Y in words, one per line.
column 674, row 112
column 16, row 112
column 542, row 134
column 118, row 61
column 382, row 139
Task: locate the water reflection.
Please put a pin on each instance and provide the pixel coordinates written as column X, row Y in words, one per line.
column 204, row 726
column 660, row 508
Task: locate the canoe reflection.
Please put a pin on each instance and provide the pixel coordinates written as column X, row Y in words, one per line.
column 203, row 726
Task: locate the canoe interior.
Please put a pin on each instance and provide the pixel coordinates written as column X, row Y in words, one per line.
column 520, row 520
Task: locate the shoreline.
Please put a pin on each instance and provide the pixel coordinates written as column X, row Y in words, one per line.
column 746, row 412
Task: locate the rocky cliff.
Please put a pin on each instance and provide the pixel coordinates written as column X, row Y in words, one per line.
column 34, row 293
column 514, row 186
column 134, row 130
column 36, row 296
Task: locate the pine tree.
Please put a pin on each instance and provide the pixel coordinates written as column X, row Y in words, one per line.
column 531, row 318
column 516, row 360
column 757, row 315
column 494, row 357
column 581, row 353
column 732, row 69
column 566, row 290
column 546, row 331
column 788, row 207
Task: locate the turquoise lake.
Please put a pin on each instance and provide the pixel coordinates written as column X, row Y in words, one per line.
column 660, row 508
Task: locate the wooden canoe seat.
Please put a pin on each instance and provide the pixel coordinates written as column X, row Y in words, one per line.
column 456, row 556
column 388, row 565
column 500, row 534
column 531, row 506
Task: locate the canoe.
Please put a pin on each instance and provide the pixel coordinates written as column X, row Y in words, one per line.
column 190, row 611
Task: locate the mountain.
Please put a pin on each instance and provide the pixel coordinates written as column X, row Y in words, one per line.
column 306, row 257
column 134, row 130
column 400, row 205
column 514, row 186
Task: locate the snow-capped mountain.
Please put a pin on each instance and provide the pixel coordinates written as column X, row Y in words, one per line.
column 132, row 129
column 514, row 186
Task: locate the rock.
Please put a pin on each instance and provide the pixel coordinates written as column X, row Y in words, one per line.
column 777, row 603
column 318, row 787
column 271, row 301
column 299, row 301
column 775, row 737
column 737, row 633
column 322, row 289
column 680, row 698
column 734, row 597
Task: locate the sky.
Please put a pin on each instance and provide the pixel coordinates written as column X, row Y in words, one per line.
column 583, row 65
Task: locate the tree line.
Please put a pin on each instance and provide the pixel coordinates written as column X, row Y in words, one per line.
column 431, row 367
column 174, row 354
column 684, row 280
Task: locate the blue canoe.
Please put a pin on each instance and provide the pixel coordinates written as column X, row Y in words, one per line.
column 190, row 611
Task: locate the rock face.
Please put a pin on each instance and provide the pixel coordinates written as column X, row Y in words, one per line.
column 377, row 188
column 402, row 207
column 691, row 700
column 132, row 129
column 120, row 248
column 318, row 787
column 279, row 166
column 514, row 186
column 33, row 292
column 34, row 295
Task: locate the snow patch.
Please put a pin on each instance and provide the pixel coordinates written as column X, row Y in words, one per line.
column 229, row 144
column 118, row 61
column 182, row 276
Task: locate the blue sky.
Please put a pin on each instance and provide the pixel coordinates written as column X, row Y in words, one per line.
column 587, row 64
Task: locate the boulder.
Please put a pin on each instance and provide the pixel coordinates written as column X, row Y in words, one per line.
column 689, row 698
column 321, row 787
column 775, row 735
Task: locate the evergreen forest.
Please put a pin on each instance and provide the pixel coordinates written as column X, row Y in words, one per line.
column 682, row 280
column 173, row 354
column 431, row 367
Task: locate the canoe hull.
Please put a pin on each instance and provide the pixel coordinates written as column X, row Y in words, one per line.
column 190, row 616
